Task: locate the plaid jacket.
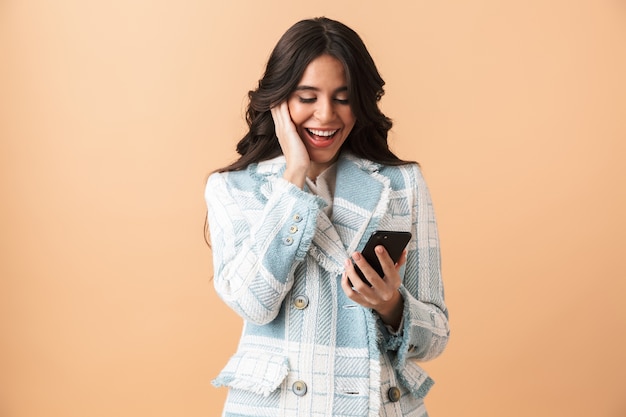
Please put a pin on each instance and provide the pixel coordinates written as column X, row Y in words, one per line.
column 307, row 349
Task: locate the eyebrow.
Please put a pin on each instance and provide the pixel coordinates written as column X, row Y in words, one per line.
column 310, row 88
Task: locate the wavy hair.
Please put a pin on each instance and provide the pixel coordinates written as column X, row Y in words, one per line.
column 301, row 44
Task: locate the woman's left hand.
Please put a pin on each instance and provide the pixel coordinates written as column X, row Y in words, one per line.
column 383, row 296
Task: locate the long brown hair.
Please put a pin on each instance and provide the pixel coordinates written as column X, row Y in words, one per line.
column 301, row 44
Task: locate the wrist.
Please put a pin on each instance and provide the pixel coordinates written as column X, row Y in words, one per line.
column 391, row 312
column 296, row 177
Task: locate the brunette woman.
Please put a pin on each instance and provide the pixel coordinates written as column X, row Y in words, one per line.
column 287, row 220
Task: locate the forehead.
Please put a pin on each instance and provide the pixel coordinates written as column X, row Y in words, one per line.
column 324, row 71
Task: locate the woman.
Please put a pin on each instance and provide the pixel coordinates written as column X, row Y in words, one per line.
column 315, row 178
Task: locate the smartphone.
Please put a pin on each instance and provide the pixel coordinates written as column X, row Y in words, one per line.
column 394, row 242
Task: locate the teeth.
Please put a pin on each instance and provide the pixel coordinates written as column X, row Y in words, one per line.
column 325, row 133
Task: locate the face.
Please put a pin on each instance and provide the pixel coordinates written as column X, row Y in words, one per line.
column 321, row 111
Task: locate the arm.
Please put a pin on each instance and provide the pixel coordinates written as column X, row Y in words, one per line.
column 414, row 306
column 425, row 329
column 257, row 243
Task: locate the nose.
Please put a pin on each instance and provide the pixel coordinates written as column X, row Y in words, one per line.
column 325, row 110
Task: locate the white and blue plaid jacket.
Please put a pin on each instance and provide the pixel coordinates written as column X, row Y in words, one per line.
column 307, row 349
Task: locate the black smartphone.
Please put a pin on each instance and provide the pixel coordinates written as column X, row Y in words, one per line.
column 394, row 242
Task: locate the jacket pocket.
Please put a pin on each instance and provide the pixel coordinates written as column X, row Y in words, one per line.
column 255, row 371
column 415, row 379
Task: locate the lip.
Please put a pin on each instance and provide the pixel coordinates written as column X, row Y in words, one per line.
column 316, row 141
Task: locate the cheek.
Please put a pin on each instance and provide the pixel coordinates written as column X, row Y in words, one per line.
column 297, row 113
column 348, row 118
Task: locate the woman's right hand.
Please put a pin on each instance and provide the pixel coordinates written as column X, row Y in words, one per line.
column 295, row 152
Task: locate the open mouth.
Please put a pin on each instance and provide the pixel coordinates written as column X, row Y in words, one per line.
column 321, row 134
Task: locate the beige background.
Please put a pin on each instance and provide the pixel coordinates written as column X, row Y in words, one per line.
column 113, row 113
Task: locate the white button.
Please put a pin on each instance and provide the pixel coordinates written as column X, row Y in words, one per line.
column 297, row 218
column 288, row 241
column 293, row 229
column 299, row 388
column 301, row 302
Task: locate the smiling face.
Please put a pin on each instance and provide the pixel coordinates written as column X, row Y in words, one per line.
column 320, row 109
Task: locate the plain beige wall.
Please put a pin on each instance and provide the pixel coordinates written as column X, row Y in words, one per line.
column 113, row 113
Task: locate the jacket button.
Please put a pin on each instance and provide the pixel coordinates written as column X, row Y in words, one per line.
column 288, row 241
column 394, row 394
column 297, row 218
column 301, row 302
column 299, row 388
column 293, row 229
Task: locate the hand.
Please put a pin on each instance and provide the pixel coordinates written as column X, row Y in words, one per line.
column 383, row 296
column 295, row 152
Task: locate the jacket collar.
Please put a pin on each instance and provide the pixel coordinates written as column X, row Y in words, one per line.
column 360, row 201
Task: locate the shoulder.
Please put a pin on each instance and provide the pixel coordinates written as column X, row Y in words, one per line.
column 409, row 168
column 397, row 176
column 403, row 176
column 250, row 177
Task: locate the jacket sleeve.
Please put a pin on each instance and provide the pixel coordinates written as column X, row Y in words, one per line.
column 425, row 331
column 259, row 234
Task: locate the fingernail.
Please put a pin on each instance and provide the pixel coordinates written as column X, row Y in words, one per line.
column 356, row 256
column 379, row 249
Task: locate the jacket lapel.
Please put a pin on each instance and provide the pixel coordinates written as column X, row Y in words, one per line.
column 360, row 201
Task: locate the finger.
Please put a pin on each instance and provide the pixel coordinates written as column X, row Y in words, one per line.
column 366, row 269
column 391, row 277
column 361, row 293
column 402, row 259
column 348, row 279
column 283, row 111
column 349, row 286
column 346, row 286
column 385, row 260
column 283, row 125
column 276, row 117
column 278, row 114
column 355, row 281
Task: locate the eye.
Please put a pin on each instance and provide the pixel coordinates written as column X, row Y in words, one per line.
column 306, row 99
column 343, row 101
